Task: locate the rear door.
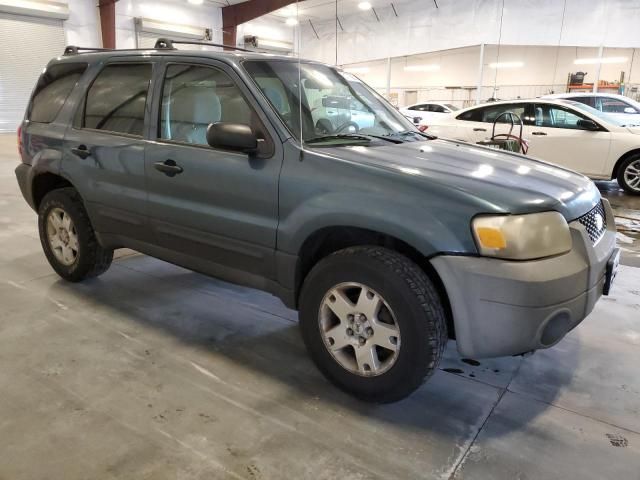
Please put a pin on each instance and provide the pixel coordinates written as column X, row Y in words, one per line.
column 222, row 206
column 557, row 137
column 104, row 149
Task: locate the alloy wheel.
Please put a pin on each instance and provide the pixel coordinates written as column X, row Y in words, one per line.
column 632, row 175
column 359, row 329
column 62, row 236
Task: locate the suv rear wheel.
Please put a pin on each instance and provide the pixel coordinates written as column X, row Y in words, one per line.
column 373, row 322
column 68, row 239
column 629, row 175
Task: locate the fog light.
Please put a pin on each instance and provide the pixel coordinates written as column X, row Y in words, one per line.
column 556, row 328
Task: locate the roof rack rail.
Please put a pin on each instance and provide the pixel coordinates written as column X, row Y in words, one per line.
column 168, row 44
column 74, row 50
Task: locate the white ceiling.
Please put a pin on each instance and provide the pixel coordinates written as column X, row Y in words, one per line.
column 321, row 9
column 326, row 9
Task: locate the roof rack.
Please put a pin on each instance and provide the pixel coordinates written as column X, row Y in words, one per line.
column 161, row 44
column 168, row 44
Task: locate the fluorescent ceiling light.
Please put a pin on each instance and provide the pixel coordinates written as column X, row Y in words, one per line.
column 591, row 61
column 421, row 68
column 357, row 69
column 291, row 21
column 364, row 6
column 506, row 65
column 196, row 2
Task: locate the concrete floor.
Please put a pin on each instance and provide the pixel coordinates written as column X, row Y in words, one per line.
column 152, row 371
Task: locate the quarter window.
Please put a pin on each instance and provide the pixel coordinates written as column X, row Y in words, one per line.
column 52, row 90
column 586, row 100
column 117, row 98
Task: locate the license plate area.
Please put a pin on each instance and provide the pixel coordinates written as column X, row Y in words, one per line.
column 612, row 270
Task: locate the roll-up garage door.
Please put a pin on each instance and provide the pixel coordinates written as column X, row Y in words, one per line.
column 26, row 46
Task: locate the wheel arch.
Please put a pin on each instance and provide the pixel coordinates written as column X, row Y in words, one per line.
column 46, row 182
column 330, row 239
column 630, row 153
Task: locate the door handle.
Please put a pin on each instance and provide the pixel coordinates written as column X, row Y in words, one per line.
column 169, row 167
column 538, row 133
column 81, row 151
column 479, row 129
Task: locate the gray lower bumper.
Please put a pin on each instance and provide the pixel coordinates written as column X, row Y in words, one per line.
column 503, row 307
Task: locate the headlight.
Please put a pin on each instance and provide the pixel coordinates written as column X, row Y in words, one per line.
column 522, row 237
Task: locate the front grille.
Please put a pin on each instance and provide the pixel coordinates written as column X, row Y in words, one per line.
column 591, row 222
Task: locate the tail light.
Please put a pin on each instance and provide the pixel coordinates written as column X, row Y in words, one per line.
column 422, row 128
column 20, row 141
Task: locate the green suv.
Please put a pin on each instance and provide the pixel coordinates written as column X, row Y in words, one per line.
column 388, row 241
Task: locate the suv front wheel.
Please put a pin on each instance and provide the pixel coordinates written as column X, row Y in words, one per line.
column 373, row 322
column 68, row 239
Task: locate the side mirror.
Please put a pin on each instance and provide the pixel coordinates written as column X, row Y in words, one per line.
column 232, row 136
column 588, row 125
column 629, row 110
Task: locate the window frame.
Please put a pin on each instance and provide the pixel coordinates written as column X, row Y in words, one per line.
column 528, row 110
column 574, row 112
column 155, row 132
column 600, row 106
column 36, row 92
column 82, row 107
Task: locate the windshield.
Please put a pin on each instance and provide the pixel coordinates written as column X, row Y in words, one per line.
column 332, row 107
column 596, row 113
column 453, row 108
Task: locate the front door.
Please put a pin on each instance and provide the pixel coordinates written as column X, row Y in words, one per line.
column 557, row 137
column 216, row 205
column 104, row 149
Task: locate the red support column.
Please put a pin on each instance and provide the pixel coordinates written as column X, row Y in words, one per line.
column 108, row 22
column 234, row 15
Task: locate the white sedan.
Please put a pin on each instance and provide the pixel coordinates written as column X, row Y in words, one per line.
column 563, row 132
column 619, row 107
column 423, row 113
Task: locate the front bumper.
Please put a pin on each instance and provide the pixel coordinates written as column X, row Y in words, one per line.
column 503, row 307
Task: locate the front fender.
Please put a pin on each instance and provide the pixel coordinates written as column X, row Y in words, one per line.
column 414, row 224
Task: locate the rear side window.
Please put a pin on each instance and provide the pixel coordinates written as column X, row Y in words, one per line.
column 471, row 115
column 117, row 98
column 52, row 90
column 586, row 100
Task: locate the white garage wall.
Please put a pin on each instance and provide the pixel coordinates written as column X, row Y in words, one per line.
column 267, row 27
column 200, row 16
column 83, row 25
column 421, row 27
column 459, row 68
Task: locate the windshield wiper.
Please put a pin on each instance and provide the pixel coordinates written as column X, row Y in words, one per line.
column 340, row 136
column 404, row 133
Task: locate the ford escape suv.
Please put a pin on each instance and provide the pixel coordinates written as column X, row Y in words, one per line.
column 387, row 241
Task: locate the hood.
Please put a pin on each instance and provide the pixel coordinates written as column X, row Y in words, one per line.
column 496, row 181
column 635, row 129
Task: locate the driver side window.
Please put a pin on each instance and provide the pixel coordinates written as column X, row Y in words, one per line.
column 193, row 97
column 551, row 116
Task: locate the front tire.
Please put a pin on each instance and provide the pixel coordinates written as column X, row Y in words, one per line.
column 373, row 323
column 68, row 239
column 629, row 175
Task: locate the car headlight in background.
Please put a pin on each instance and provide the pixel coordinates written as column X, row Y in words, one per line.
column 522, row 237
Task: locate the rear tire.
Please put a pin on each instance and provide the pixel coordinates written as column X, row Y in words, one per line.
column 629, row 175
column 408, row 304
column 68, row 239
